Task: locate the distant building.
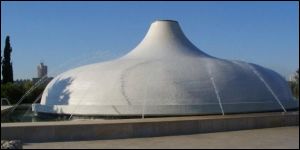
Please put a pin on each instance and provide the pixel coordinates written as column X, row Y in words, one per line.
column 42, row 70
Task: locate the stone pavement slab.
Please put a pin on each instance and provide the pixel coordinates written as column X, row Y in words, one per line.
column 271, row 138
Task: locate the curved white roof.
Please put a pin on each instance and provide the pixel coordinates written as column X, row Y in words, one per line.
column 166, row 75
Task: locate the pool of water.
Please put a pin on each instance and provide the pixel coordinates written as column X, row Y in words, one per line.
column 24, row 113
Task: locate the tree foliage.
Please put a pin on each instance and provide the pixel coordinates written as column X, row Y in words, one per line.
column 294, row 84
column 14, row 91
column 7, row 69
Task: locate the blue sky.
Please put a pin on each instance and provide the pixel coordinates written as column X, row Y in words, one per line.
column 69, row 34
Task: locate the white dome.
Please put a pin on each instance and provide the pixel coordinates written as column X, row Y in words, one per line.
column 166, row 75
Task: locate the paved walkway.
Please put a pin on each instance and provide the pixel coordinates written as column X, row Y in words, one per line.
column 279, row 138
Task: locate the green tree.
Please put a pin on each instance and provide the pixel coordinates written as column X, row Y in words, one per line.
column 1, row 64
column 294, row 84
column 7, row 69
column 14, row 91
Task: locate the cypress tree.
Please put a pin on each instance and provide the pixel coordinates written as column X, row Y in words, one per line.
column 1, row 65
column 7, row 69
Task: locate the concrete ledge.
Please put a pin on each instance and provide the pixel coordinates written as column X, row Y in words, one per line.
column 5, row 109
column 132, row 128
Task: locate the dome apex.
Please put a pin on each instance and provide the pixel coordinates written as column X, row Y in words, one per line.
column 165, row 39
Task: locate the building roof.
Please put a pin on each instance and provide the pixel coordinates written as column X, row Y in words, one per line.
column 166, row 75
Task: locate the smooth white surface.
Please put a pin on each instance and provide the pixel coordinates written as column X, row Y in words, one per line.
column 165, row 75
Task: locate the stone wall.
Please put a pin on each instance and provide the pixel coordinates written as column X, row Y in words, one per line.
column 132, row 128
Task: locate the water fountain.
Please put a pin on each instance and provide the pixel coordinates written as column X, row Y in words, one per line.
column 268, row 87
column 5, row 101
column 215, row 87
column 175, row 67
column 26, row 114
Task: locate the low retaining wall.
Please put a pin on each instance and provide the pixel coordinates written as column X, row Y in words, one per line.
column 5, row 109
column 131, row 128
